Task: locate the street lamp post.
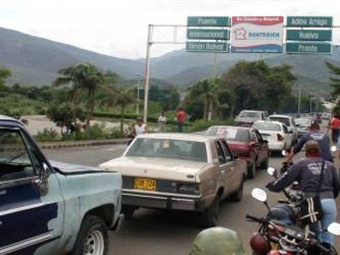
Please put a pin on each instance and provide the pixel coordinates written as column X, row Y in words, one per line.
column 311, row 104
column 299, row 102
column 138, row 85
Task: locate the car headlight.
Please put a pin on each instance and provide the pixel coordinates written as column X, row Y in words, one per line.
column 188, row 188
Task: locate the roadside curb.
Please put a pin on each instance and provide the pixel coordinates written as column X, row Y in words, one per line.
column 70, row 144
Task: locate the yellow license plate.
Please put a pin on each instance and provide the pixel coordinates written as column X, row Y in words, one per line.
column 145, row 184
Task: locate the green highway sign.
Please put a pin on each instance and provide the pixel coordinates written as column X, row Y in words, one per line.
column 305, row 21
column 208, row 21
column 207, row 46
column 309, row 35
column 308, row 48
column 208, row 34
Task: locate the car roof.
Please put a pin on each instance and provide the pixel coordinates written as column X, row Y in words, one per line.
column 270, row 121
column 10, row 121
column 280, row 115
column 179, row 136
column 230, row 126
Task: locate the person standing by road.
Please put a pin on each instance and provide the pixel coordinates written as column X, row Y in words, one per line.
column 181, row 117
column 161, row 122
column 316, row 135
column 334, row 125
column 140, row 127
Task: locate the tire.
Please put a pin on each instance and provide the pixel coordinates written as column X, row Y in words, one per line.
column 251, row 170
column 238, row 194
column 209, row 216
column 92, row 237
column 128, row 211
column 264, row 165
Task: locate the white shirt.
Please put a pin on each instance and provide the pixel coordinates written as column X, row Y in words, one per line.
column 140, row 129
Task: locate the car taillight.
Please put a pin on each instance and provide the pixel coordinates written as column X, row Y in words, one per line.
column 279, row 137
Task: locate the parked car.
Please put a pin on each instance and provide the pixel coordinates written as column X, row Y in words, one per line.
column 289, row 122
column 52, row 207
column 174, row 171
column 246, row 143
column 303, row 125
column 276, row 133
column 247, row 117
column 326, row 116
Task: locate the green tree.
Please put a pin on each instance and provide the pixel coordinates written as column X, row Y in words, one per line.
column 4, row 74
column 255, row 85
column 335, row 81
column 205, row 91
column 86, row 80
column 60, row 114
column 120, row 98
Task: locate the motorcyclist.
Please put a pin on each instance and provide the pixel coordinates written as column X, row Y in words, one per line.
column 316, row 135
column 307, row 172
column 217, row 241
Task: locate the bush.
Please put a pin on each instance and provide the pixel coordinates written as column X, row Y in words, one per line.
column 48, row 135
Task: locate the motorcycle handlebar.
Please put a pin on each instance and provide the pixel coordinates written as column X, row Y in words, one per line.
column 260, row 220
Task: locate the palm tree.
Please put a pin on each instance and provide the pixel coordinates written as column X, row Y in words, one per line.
column 207, row 91
column 122, row 98
column 85, row 79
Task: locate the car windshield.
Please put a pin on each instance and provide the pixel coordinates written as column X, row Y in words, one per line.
column 168, row 148
column 230, row 134
column 267, row 126
column 284, row 120
column 250, row 115
column 12, row 148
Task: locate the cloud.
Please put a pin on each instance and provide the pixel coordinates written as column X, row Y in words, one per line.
column 120, row 27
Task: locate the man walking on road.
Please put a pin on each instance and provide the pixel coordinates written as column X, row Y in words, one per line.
column 180, row 116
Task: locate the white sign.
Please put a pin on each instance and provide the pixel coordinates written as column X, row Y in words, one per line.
column 257, row 34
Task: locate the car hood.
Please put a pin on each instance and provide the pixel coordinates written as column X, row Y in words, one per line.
column 68, row 168
column 155, row 167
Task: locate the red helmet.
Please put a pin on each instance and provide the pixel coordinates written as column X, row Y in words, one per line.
column 259, row 244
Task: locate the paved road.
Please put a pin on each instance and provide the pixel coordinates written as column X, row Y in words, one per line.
column 153, row 232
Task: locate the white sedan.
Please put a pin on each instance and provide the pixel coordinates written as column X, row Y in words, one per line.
column 175, row 171
column 276, row 133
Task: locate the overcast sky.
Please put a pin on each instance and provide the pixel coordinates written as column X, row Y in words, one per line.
column 119, row 27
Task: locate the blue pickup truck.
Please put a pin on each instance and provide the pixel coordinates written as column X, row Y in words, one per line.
column 52, row 207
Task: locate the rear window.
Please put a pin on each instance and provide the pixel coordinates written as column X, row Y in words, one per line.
column 253, row 115
column 281, row 119
column 267, row 126
column 168, row 148
column 230, row 134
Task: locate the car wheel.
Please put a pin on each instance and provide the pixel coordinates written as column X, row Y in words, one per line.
column 92, row 237
column 251, row 170
column 265, row 163
column 238, row 194
column 209, row 216
column 128, row 211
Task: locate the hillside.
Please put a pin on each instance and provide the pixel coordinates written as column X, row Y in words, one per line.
column 35, row 61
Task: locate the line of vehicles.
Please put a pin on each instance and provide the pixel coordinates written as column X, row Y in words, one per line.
column 61, row 208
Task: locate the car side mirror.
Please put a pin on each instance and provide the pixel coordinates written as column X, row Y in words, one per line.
column 42, row 182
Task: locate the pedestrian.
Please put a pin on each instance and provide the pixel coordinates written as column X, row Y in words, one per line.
column 180, row 117
column 161, row 122
column 139, row 127
column 334, row 125
column 308, row 173
column 316, row 135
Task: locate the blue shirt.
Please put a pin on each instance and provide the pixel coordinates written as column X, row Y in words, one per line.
column 321, row 138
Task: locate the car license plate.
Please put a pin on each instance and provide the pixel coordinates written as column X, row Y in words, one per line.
column 145, row 184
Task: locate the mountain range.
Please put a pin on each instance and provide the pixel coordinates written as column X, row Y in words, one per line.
column 35, row 61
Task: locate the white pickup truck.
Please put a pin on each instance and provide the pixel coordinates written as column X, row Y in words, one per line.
column 50, row 207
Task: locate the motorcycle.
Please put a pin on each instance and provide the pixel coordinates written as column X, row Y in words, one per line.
column 275, row 237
